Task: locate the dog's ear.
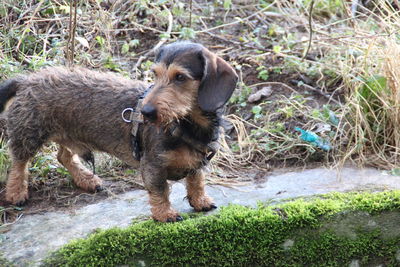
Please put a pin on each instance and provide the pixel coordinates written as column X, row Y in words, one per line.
column 159, row 53
column 218, row 82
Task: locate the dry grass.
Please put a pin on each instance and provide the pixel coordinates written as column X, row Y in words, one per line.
column 362, row 52
column 373, row 110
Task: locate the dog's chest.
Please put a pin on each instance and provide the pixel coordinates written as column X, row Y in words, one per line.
column 182, row 161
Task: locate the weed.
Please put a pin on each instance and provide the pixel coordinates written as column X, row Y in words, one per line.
column 4, row 160
column 263, row 73
column 374, row 105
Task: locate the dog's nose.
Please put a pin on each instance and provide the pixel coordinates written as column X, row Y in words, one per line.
column 150, row 112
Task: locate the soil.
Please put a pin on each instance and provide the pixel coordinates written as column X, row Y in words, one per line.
column 58, row 193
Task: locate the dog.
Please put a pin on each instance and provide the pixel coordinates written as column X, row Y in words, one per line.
column 80, row 110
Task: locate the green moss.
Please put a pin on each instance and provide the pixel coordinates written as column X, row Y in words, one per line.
column 5, row 262
column 296, row 233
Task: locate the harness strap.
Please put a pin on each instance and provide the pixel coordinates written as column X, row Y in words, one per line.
column 136, row 118
column 208, row 150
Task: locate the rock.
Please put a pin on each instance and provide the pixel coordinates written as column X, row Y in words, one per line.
column 257, row 96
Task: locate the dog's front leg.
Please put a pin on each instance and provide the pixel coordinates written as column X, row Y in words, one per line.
column 158, row 188
column 196, row 194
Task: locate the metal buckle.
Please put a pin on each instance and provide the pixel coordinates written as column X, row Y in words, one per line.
column 123, row 114
column 135, row 116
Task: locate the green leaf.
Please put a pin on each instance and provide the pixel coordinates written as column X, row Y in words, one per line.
column 134, row 43
column 164, row 35
column 227, row 4
column 263, row 75
column 277, row 49
column 256, row 110
column 187, row 33
column 125, row 48
column 100, row 40
column 372, row 86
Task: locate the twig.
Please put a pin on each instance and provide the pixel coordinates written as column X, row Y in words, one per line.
column 309, row 87
column 28, row 25
column 311, row 29
column 190, row 14
column 239, row 20
column 16, row 220
column 321, row 93
column 71, row 37
column 354, row 5
column 158, row 45
column 237, row 42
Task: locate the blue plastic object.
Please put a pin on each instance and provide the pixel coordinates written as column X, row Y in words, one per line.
column 314, row 139
column 333, row 118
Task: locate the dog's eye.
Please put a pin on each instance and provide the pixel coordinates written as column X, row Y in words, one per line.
column 180, row 77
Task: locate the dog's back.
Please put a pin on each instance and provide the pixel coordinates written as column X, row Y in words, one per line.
column 63, row 96
column 80, row 108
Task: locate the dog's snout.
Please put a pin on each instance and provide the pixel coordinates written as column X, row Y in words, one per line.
column 150, row 112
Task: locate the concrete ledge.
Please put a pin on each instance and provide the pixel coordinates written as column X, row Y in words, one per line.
column 339, row 229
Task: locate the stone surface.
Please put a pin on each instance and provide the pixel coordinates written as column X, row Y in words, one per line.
column 34, row 236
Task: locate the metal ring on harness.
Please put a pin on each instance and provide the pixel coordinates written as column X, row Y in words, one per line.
column 123, row 114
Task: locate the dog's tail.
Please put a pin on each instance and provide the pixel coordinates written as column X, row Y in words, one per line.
column 8, row 90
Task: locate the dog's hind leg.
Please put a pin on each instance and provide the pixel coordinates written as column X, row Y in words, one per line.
column 21, row 150
column 17, row 183
column 196, row 195
column 82, row 177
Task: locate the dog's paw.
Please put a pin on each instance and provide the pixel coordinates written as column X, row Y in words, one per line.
column 17, row 198
column 168, row 216
column 202, row 203
column 209, row 207
column 176, row 219
column 98, row 188
column 89, row 182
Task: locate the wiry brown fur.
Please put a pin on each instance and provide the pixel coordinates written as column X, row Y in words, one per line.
column 171, row 100
column 81, row 111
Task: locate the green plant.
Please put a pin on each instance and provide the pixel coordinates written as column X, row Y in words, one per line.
column 43, row 165
column 187, row 33
column 4, row 160
column 257, row 111
column 263, row 73
column 373, row 109
column 325, row 8
column 241, row 98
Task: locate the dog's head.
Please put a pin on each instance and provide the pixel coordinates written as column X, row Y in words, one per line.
column 187, row 76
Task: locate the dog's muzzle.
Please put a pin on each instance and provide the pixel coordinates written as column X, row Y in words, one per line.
column 149, row 112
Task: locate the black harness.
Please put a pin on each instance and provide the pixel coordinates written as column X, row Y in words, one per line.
column 136, row 118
